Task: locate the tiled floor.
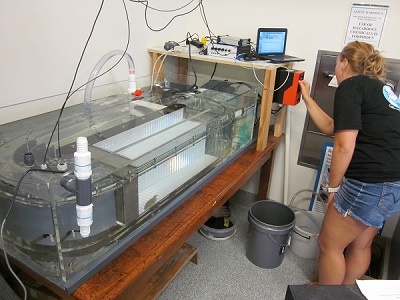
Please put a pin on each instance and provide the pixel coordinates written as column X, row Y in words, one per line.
column 224, row 272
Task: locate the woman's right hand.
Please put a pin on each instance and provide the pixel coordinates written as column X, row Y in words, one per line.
column 323, row 121
column 305, row 89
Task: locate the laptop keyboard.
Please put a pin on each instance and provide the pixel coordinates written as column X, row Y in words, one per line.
column 279, row 57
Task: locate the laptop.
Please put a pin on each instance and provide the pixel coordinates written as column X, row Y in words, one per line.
column 271, row 45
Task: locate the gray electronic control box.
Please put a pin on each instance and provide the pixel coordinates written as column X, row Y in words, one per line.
column 233, row 41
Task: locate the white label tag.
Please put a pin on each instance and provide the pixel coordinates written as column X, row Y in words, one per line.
column 333, row 82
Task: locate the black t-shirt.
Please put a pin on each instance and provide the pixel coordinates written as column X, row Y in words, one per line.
column 370, row 106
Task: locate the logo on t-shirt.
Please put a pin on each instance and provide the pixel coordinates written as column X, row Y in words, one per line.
column 391, row 97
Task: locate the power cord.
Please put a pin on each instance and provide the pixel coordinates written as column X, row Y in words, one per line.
column 213, row 72
column 203, row 15
column 146, row 3
column 74, row 78
column 154, row 80
column 274, row 90
column 189, row 39
column 275, row 111
column 147, row 7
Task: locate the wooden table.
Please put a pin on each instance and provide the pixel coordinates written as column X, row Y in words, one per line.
column 267, row 91
column 135, row 274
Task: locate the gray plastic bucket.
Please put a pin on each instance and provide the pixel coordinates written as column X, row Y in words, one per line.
column 270, row 225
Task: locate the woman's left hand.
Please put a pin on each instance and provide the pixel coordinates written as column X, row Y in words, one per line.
column 329, row 202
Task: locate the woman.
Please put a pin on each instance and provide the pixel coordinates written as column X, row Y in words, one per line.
column 364, row 181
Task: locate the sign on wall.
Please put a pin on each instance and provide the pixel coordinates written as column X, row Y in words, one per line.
column 366, row 22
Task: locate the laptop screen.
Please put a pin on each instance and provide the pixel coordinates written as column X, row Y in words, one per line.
column 271, row 41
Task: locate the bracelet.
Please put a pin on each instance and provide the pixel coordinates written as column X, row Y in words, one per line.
column 333, row 190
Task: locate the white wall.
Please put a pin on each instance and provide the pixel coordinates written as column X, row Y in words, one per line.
column 42, row 40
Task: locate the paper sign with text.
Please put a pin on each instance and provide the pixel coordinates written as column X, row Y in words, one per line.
column 366, row 22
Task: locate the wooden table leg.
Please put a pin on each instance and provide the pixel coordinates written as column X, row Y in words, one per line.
column 183, row 65
column 266, row 106
column 265, row 175
column 280, row 122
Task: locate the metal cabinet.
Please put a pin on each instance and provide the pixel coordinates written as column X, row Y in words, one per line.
column 323, row 93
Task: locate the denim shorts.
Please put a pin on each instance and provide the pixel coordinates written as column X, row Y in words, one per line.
column 369, row 203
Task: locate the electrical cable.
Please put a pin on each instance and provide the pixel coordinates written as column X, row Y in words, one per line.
column 212, row 36
column 153, row 80
column 74, row 78
column 275, row 111
column 190, row 37
column 71, row 93
column 194, row 87
column 163, row 10
column 257, row 115
column 203, row 15
column 170, row 21
column 278, row 88
column 213, row 72
column 241, row 83
column 6, row 217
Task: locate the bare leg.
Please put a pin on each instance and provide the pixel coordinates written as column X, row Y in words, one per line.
column 337, row 233
column 358, row 256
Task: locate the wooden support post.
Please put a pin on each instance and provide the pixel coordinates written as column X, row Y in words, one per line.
column 265, row 175
column 182, row 65
column 266, row 107
column 280, row 122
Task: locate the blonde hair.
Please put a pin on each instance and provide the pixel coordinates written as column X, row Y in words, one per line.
column 364, row 59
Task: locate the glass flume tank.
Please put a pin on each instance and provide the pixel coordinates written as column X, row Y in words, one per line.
column 149, row 154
